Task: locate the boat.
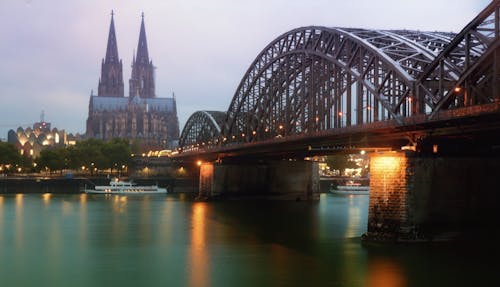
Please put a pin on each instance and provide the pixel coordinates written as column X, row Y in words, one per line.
column 117, row 186
column 350, row 187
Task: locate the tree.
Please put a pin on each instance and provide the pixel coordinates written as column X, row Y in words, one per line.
column 117, row 152
column 9, row 156
column 340, row 162
column 89, row 153
column 52, row 159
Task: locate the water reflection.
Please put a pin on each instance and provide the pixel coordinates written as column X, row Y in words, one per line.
column 354, row 215
column 89, row 240
column 198, row 263
column 67, row 207
column 383, row 272
column 18, row 222
column 83, row 221
column 119, row 203
column 167, row 219
column 145, row 219
column 46, row 198
column 83, row 199
column 1, row 219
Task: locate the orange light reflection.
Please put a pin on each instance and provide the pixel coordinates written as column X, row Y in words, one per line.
column 18, row 222
column 383, row 272
column 198, row 273
column 46, row 198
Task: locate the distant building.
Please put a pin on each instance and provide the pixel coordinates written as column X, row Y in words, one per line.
column 31, row 141
column 142, row 116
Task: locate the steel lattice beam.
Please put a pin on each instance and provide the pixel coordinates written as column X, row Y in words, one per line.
column 315, row 79
column 201, row 129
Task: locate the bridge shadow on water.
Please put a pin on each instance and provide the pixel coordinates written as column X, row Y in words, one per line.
column 325, row 236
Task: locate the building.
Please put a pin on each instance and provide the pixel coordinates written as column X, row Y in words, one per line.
column 32, row 140
column 142, row 116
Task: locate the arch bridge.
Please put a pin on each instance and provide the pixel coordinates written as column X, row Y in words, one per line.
column 319, row 82
column 317, row 90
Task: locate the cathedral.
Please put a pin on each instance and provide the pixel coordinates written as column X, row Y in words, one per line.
column 141, row 117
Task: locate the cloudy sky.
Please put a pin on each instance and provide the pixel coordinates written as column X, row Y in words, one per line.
column 51, row 50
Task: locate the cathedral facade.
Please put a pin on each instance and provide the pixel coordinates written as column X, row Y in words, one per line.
column 141, row 117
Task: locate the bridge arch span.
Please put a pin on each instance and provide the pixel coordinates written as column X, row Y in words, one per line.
column 202, row 127
column 316, row 78
column 313, row 79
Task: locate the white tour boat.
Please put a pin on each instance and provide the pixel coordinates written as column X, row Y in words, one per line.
column 351, row 187
column 125, row 187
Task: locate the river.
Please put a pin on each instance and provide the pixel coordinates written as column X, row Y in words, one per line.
column 96, row 240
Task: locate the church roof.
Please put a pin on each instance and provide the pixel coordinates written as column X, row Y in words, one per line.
column 100, row 103
column 121, row 103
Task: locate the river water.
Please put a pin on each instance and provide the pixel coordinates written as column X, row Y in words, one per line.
column 97, row 240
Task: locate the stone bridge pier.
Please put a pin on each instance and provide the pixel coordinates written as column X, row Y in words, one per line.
column 287, row 180
column 432, row 198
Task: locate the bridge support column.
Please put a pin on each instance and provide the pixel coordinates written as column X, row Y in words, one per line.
column 389, row 215
column 206, row 181
column 286, row 180
column 432, row 197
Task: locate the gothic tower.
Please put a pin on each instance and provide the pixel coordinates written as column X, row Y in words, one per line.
column 111, row 81
column 142, row 80
column 143, row 118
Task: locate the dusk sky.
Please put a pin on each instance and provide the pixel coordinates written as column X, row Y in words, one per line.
column 51, row 50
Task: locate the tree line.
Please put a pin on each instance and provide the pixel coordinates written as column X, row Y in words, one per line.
column 90, row 155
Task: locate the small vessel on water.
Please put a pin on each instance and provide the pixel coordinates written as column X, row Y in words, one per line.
column 350, row 187
column 117, row 186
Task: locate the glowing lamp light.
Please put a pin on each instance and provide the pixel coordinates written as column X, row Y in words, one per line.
column 198, row 163
column 340, row 114
column 389, row 163
column 457, row 89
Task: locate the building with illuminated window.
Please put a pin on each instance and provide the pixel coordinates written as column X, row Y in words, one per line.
column 32, row 140
column 142, row 117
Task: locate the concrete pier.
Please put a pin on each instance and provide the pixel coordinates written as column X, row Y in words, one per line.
column 287, row 180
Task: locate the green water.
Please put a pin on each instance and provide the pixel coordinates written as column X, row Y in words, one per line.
column 95, row 240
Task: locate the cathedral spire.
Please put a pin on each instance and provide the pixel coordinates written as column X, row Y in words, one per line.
column 142, row 80
column 142, row 47
column 112, row 49
column 111, row 81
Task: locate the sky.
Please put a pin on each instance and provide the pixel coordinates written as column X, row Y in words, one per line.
column 51, row 50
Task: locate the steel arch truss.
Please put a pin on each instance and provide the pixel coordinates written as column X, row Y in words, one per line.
column 314, row 78
column 202, row 128
column 467, row 71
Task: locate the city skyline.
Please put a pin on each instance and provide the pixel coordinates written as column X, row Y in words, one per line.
column 51, row 53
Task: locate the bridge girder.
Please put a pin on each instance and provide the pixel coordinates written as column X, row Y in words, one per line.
column 467, row 71
column 202, row 128
column 314, row 79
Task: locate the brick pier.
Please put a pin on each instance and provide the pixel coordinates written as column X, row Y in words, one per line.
column 417, row 197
